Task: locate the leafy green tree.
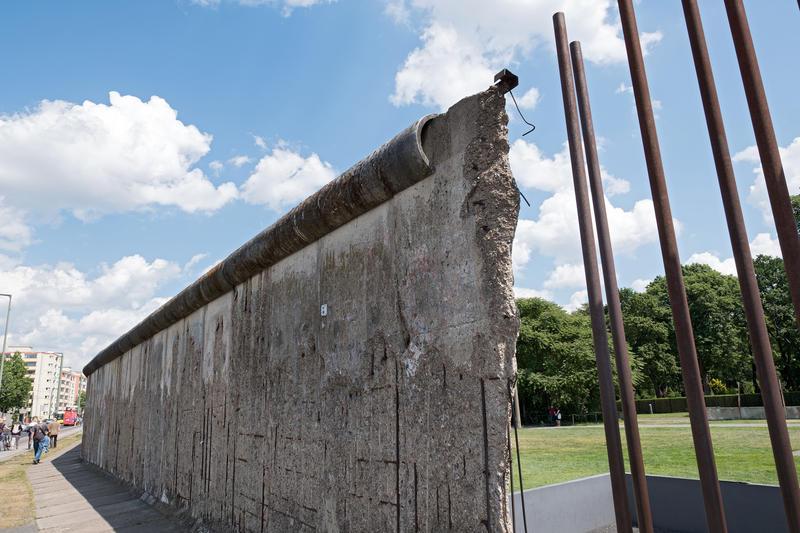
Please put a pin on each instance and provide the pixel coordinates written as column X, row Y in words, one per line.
column 556, row 359
column 720, row 331
column 81, row 400
column 796, row 210
column 779, row 314
column 16, row 387
column 648, row 329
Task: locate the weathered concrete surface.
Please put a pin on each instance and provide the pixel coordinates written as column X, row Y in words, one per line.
column 390, row 413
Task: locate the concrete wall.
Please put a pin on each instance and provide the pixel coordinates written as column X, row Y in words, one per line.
column 747, row 413
column 254, row 412
column 586, row 505
column 576, row 506
column 677, row 506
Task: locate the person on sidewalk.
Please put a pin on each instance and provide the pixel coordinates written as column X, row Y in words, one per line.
column 39, row 436
column 16, row 433
column 29, row 431
column 54, row 427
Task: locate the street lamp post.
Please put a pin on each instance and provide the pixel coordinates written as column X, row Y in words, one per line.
column 5, row 338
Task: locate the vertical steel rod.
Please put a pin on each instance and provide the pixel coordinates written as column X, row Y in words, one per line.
column 644, row 514
column 690, row 369
column 599, row 335
column 517, row 425
column 767, row 148
column 511, row 469
column 751, row 297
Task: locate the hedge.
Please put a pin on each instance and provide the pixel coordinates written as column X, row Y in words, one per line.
column 679, row 404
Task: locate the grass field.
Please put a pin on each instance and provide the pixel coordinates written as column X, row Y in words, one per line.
column 561, row 454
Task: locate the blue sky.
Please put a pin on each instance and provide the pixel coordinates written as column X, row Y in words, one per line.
column 140, row 142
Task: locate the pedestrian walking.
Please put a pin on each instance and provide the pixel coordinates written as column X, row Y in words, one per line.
column 5, row 437
column 54, row 426
column 16, row 433
column 39, row 436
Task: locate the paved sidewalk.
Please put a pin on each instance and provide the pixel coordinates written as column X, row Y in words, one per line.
column 70, row 496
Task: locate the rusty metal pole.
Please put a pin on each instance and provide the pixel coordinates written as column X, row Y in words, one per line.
column 607, row 398
column 751, row 297
column 644, row 515
column 690, row 369
column 767, row 148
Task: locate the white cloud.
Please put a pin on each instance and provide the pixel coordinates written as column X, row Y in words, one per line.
column 725, row 266
column 790, row 156
column 466, row 41
column 568, row 275
column 59, row 307
column 577, row 300
column 530, row 99
column 639, row 285
column 216, row 166
column 15, row 233
column 260, row 142
column 93, row 158
column 555, row 232
column 649, row 39
column 624, row 88
column 447, row 68
column 283, row 178
column 286, row 6
column 763, row 243
column 239, row 160
column 535, row 170
column 398, row 11
column 522, row 292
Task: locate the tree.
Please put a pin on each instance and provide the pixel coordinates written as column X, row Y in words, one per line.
column 648, row 329
column 556, row 359
column 779, row 314
column 796, row 210
column 81, row 400
column 717, row 314
column 16, row 387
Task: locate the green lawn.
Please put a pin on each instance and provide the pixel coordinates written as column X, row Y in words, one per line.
column 557, row 455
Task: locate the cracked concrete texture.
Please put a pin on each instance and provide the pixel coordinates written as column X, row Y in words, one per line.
column 390, row 413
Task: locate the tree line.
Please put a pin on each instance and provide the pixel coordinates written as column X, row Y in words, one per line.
column 555, row 353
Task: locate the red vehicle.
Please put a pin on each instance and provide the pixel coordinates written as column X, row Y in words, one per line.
column 70, row 417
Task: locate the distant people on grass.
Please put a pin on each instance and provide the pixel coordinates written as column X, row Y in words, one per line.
column 553, row 416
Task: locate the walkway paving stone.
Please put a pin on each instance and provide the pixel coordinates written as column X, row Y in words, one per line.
column 70, row 496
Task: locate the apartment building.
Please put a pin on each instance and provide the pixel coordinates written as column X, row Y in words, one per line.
column 43, row 369
column 72, row 384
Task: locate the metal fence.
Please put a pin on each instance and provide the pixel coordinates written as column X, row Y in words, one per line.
column 584, row 157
